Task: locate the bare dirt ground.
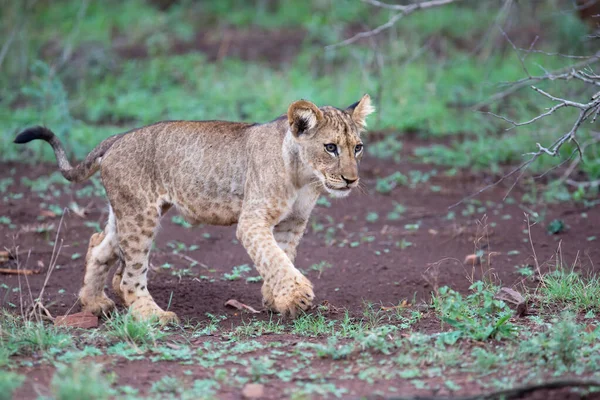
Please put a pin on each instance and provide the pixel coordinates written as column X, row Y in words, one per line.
column 373, row 256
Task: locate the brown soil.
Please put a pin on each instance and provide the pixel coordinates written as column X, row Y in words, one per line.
column 368, row 262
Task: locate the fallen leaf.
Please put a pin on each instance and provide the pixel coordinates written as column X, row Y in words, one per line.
column 253, row 391
column 433, row 232
column 513, row 297
column 4, row 256
column 403, row 304
column 472, row 259
column 240, row 306
column 83, row 320
column 47, row 213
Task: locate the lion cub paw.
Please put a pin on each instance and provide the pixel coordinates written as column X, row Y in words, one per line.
column 144, row 308
column 100, row 306
column 292, row 294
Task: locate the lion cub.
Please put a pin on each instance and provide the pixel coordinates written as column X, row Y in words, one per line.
column 264, row 177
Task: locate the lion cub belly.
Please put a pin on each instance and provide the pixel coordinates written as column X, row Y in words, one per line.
column 211, row 211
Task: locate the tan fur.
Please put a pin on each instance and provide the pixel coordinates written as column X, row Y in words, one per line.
column 264, row 177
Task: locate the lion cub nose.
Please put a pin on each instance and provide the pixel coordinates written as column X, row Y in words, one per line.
column 349, row 181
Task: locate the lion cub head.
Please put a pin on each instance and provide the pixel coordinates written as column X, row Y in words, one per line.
column 329, row 141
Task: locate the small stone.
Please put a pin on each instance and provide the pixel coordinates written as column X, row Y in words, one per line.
column 253, row 391
column 472, row 259
column 85, row 320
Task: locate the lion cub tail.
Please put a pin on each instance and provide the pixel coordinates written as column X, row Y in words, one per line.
column 81, row 171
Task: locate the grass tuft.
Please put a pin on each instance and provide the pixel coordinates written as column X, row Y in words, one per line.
column 127, row 328
column 568, row 288
column 80, row 381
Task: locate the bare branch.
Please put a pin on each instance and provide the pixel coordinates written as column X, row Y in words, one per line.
column 586, row 111
column 411, row 7
column 587, row 184
column 565, row 73
column 404, row 10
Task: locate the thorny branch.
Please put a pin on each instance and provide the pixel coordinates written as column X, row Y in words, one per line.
column 403, row 11
column 567, row 73
column 587, row 111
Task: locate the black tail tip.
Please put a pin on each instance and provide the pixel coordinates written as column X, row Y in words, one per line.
column 36, row 132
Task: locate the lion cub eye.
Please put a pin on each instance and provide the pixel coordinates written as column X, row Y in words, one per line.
column 331, row 148
column 358, row 148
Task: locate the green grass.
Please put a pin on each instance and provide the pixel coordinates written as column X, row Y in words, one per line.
column 568, row 288
column 477, row 316
column 9, row 382
column 80, row 381
column 18, row 337
column 124, row 327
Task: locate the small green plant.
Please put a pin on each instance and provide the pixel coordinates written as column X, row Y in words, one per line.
column 179, row 220
column 167, row 385
column 313, row 325
column 556, row 226
column 261, row 368
column 237, row 272
column 397, row 212
column 387, row 184
column 478, row 316
column 320, row 267
column 372, row 216
column 332, row 349
column 80, row 381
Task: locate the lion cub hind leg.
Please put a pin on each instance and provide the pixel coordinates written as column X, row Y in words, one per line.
column 116, row 280
column 100, row 257
column 136, row 233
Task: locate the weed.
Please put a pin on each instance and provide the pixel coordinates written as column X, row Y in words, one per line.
column 569, row 288
column 332, row 349
column 237, row 272
column 179, row 220
column 258, row 328
column 167, row 385
column 478, row 316
column 209, row 327
column 378, row 339
column 80, row 381
column 26, row 337
column 387, row 148
column 397, row 212
column 320, row 267
column 260, row 368
column 313, row 325
column 135, row 331
column 387, row 184
column 9, row 382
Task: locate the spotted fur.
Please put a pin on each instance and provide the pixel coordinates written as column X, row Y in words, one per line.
column 264, row 177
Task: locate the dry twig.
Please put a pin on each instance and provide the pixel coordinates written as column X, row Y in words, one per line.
column 403, row 11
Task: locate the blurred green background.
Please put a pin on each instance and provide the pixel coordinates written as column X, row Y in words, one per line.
column 90, row 69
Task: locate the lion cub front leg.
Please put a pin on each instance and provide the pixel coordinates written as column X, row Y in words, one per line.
column 285, row 289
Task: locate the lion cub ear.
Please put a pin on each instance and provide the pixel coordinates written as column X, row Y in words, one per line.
column 360, row 110
column 303, row 116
